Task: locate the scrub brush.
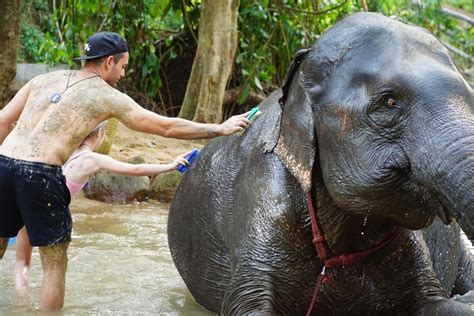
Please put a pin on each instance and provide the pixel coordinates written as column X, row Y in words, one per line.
column 190, row 158
column 254, row 112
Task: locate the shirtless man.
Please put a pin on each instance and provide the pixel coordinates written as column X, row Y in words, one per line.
column 54, row 113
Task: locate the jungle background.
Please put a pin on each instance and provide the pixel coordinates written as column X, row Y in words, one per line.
column 252, row 43
column 222, row 56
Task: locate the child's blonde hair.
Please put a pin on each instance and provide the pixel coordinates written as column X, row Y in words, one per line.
column 96, row 130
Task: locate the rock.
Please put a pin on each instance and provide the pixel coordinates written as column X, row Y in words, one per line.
column 136, row 160
column 164, row 186
column 110, row 187
column 26, row 72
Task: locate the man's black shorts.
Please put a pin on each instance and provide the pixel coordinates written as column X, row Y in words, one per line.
column 35, row 195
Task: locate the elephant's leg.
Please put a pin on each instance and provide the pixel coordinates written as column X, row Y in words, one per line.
column 464, row 281
column 250, row 293
column 275, row 276
column 199, row 253
column 257, row 291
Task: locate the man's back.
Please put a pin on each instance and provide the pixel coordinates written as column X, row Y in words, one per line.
column 49, row 132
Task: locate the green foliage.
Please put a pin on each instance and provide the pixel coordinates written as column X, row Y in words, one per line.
column 59, row 36
column 34, row 33
column 270, row 32
column 429, row 14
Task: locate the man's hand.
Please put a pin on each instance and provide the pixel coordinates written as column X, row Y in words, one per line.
column 234, row 124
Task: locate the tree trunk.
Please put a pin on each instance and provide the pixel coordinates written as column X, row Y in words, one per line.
column 9, row 37
column 212, row 65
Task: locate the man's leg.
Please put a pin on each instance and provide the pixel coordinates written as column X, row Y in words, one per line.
column 22, row 259
column 11, row 220
column 3, row 246
column 54, row 261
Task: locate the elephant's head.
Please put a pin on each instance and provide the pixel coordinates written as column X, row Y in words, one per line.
column 381, row 108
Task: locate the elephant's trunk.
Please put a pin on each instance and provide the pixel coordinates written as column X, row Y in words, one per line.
column 446, row 167
column 454, row 182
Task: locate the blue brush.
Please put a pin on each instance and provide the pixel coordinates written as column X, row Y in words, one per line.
column 191, row 157
column 253, row 111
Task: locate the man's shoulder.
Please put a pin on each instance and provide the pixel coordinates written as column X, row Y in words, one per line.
column 51, row 75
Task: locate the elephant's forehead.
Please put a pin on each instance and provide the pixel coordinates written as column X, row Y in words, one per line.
column 373, row 42
column 363, row 27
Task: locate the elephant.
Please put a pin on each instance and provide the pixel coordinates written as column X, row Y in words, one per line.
column 347, row 195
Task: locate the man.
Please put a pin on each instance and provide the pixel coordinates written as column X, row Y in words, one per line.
column 54, row 113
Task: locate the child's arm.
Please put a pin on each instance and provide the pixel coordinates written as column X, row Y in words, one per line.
column 105, row 162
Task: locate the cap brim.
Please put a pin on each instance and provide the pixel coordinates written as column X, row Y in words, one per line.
column 88, row 57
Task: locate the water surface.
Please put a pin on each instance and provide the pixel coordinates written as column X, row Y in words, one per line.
column 119, row 263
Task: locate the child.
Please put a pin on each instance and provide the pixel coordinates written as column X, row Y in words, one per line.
column 82, row 164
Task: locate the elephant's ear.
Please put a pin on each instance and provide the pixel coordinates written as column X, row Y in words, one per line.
column 296, row 145
column 294, row 66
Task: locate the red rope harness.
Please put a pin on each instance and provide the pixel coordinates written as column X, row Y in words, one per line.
column 343, row 260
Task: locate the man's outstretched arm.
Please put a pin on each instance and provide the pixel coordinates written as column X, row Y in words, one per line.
column 11, row 112
column 142, row 120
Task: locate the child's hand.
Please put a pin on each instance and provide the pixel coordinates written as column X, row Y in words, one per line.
column 181, row 160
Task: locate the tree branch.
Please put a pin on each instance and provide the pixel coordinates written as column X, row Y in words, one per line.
column 58, row 28
column 188, row 23
column 106, row 15
column 316, row 13
column 231, row 96
column 457, row 14
column 458, row 52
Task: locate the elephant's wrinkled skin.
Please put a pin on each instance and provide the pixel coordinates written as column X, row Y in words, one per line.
column 377, row 124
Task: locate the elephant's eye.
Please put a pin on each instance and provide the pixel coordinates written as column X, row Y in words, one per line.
column 385, row 109
column 389, row 101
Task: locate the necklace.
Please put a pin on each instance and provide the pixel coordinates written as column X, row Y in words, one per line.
column 56, row 97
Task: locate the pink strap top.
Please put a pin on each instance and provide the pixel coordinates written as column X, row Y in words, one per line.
column 73, row 186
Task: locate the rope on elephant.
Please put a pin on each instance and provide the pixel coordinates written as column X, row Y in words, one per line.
column 110, row 130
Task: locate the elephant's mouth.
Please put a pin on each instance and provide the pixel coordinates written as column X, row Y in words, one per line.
column 423, row 214
column 444, row 214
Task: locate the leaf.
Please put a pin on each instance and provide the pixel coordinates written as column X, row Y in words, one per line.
column 258, row 84
column 152, row 60
column 239, row 58
column 243, row 95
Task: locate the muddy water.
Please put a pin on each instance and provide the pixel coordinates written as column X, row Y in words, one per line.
column 119, row 263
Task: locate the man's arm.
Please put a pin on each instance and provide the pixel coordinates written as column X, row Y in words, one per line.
column 142, row 120
column 11, row 112
column 174, row 127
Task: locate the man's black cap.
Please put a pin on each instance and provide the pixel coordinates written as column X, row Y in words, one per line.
column 104, row 44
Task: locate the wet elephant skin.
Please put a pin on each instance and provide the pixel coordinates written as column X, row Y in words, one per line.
column 376, row 123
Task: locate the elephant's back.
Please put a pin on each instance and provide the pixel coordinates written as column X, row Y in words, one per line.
column 201, row 222
column 202, row 202
column 207, row 190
